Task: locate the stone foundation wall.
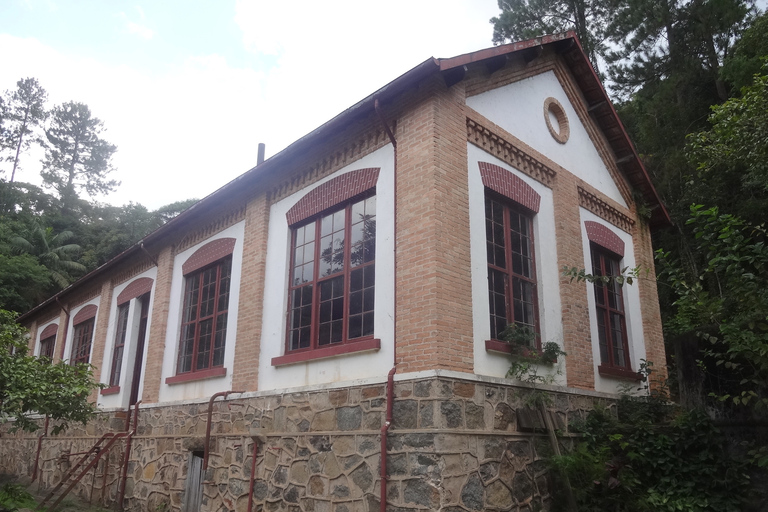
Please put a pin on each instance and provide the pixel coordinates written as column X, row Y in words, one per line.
column 455, row 445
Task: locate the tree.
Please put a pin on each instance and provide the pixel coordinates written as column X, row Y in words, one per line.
column 525, row 19
column 732, row 157
column 31, row 385
column 25, row 110
column 52, row 251
column 77, row 158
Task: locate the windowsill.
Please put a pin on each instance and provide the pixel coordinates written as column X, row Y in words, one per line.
column 198, row 375
column 617, row 372
column 112, row 390
column 326, row 352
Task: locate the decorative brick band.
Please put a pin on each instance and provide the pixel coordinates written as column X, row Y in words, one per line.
column 133, row 290
column 504, row 150
column 207, row 254
column 221, row 223
column 49, row 331
column 605, row 211
column 135, row 270
column 84, row 314
column 604, row 237
column 333, row 192
column 352, row 151
column 507, row 184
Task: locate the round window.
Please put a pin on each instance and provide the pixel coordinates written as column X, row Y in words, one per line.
column 557, row 121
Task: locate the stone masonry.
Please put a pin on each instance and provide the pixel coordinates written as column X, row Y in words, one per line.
column 456, row 444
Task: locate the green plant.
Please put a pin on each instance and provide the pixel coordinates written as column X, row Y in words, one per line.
column 14, row 497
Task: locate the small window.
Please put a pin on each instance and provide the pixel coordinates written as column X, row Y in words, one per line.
column 333, row 275
column 611, row 322
column 81, row 350
column 512, row 293
column 204, row 320
column 46, row 347
column 117, row 352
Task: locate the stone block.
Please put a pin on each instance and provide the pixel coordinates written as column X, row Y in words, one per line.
column 475, row 416
column 404, row 414
column 451, row 415
column 349, row 418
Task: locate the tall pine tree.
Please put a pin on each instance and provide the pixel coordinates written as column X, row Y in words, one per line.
column 77, row 157
column 24, row 111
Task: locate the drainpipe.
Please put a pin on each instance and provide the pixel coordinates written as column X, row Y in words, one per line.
column 39, row 446
column 391, row 375
column 127, row 455
column 208, row 426
column 66, row 328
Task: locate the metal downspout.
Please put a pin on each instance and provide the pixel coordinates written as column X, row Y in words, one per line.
column 208, row 425
column 39, row 447
column 127, row 455
column 391, row 375
column 254, row 454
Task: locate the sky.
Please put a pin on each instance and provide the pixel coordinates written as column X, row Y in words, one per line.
column 188, row 88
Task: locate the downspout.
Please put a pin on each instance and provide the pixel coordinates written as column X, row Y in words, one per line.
column 127, row 455
column 39, row 447
column 66, row 328
column 208, row 426
column 391, row 375
column 254, row 454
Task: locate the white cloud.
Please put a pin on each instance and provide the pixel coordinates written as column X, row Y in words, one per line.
column 137, row 29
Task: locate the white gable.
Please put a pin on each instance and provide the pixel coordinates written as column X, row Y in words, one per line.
column 519, row 109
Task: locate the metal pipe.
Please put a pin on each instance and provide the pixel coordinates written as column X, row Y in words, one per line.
column 127, row 454
column 254, row 453
column 208, row 426
column 39, row 447
column 391, row 375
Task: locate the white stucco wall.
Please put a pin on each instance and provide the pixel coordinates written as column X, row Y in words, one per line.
column 633, row 315
column 71, row 328
column 519, row 109
column 206, row 387
column 547, row 272
column 348, row 366
column 122, row 398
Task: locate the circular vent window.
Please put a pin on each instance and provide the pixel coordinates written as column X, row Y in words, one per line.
column 557, row 121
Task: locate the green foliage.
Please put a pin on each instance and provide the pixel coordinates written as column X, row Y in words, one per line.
column 77, row 157
column 735, row 149
column 527, row 361
column 52, row 251
column 747, row 58
column 24, row 111
column 31, row 385
column 526, row 19
column 724, row 301
column 14, row 497
column 626, row 275
column 653, row 457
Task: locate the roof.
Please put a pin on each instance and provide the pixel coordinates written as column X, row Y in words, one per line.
column 566, row 44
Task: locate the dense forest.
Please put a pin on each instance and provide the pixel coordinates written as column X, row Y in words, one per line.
column 51, row 236
column 689, row 79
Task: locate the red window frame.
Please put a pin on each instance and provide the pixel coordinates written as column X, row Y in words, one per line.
column 82, row 338
column 47, row 346
column 331, row 293
column 511, row 259
column 204, row 321
column 117, row 351
column 611, row 317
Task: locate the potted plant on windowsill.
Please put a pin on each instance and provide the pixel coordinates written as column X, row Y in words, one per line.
column 522, row 342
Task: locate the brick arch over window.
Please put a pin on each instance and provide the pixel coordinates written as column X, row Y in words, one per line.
column 136, row 288
column 333, row 192
column 84, row 314
column 507, row 184
column 49, row 331
column 604, row 237
column 207, row 254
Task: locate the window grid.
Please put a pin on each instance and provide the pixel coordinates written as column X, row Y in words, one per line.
column 512, row 294
column 81, row 350
column 47, row 346
column 332, row 283
column 117, row 353
column 611, row 322
column 204, row 326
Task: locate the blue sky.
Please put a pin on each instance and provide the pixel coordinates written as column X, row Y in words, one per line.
column 187, row 89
